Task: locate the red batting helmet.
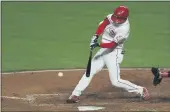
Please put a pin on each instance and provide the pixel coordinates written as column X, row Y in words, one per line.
column 120, row 14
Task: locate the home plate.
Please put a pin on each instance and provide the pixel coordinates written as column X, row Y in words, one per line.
column 89, row 108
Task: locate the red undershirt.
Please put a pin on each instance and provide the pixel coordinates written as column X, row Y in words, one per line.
column 100, row 30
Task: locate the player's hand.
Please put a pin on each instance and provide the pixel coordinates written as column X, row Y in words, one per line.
column 94, row 43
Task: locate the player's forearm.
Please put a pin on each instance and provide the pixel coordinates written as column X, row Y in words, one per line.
column 108, row 45
column 101, row 27
column 165, row 74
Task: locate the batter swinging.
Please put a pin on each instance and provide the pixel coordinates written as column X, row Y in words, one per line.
column 115, row 29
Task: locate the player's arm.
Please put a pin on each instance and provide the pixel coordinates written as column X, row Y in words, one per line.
column 165, row 74
column 118, row 39
column 102, row 25
column 109, row 45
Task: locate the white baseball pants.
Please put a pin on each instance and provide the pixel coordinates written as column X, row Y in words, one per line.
column 112, row 59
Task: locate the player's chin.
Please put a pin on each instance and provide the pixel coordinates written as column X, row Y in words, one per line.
column 119, row 21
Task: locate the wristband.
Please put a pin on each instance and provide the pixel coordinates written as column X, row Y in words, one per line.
column 96, row 35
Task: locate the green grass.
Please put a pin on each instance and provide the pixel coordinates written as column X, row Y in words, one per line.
column 51, row 35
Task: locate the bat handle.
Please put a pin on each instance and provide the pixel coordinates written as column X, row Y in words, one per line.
column 91, row 49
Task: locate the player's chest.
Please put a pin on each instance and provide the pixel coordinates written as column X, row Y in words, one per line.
column 111, row 30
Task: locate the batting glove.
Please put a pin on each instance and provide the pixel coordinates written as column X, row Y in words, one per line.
column 94, row 43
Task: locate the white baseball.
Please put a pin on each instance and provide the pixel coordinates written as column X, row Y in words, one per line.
column 60, row 74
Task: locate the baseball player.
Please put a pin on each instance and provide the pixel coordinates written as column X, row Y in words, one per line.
column 115, row 29
column 158, row 75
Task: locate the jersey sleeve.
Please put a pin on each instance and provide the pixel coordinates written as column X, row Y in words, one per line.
column 102, row 25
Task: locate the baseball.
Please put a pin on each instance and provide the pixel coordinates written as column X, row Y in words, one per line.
column 60, row 74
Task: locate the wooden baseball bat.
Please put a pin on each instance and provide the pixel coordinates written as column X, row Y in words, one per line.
column 88, row 69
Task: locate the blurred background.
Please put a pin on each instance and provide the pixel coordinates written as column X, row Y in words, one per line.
column 55, row 35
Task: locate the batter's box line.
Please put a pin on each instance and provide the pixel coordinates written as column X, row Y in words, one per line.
column 32, row 97
column 28, row 98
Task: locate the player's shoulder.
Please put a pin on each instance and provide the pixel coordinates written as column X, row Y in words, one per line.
column 125, row 28
column 126, row 25
column 109, row 15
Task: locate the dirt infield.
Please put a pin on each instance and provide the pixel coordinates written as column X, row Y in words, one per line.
column 46, row 91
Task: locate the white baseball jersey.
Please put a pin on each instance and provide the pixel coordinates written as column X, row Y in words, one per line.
column 111, row 58
column 116, row 33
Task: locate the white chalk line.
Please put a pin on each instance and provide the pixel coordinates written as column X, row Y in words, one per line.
column 47, row 105
column 14, row 98
column 28, row 98
column 71, row 70
column 31, row 98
